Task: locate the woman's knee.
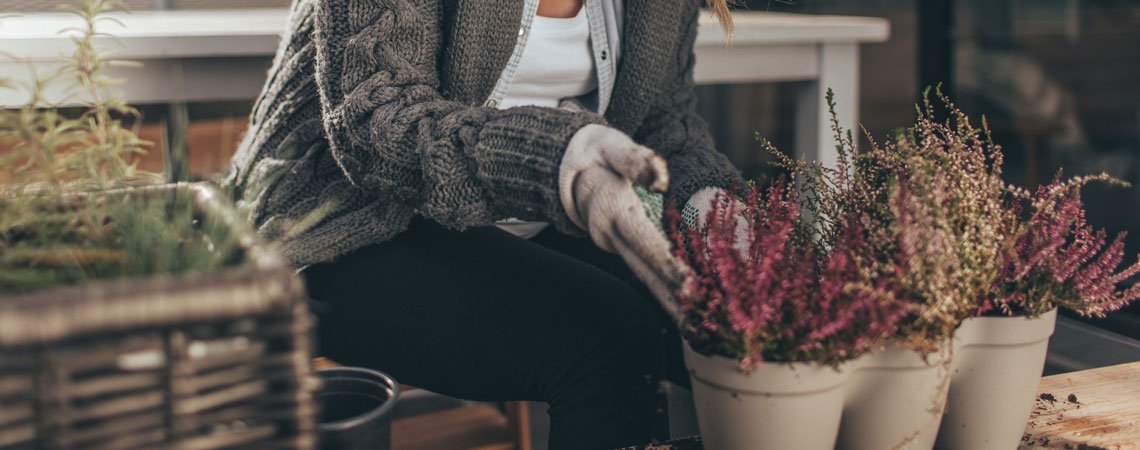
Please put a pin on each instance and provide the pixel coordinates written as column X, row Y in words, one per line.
column 625, row 318
column 637, row 328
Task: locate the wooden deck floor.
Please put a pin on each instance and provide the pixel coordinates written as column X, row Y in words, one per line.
column 479, row 427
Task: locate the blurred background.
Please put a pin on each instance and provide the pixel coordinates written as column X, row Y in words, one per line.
column 1057, row 79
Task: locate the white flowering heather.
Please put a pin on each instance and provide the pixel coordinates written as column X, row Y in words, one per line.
column 931, row 201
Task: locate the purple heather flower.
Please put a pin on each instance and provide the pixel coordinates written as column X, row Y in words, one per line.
column 787, row 299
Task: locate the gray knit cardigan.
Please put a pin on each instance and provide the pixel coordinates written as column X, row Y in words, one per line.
column 372, row 114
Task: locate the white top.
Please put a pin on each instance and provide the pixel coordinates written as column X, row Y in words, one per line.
column 557, row 63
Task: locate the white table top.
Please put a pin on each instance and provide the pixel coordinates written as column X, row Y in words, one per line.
column 255, row 32
column 151, row 34
column 766, row 28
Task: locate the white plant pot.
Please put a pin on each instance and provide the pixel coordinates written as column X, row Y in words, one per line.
column 776, row 406
column 996, row 368
column 894, row 400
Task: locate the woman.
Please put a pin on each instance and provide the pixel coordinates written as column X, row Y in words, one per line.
column 434, row 167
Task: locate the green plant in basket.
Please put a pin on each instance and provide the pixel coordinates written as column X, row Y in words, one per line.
column 122, row 297
column 70, row 205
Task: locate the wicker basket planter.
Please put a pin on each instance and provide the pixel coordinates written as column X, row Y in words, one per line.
column 196, row 361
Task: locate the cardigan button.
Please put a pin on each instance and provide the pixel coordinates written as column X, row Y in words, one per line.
column 491, row 104
column 604, row 54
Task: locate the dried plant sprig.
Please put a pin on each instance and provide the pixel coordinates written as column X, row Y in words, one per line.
column 778, row 297
column 1053, row 257
column 57, row 150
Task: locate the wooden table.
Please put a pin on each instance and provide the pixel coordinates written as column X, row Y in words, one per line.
column 206, row 56
column 1105, row 414
column 690, row 443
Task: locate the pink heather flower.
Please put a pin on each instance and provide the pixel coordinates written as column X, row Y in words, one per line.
column 1056, row 258
column 786, row 299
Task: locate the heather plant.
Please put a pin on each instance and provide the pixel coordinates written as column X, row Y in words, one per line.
column 929, row 204
column 905, row 240
column 66, row 213
column 949, row 226
column 1053, row 257
column 779, row 296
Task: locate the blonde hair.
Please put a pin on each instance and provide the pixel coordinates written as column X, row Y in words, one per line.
column 720, row 7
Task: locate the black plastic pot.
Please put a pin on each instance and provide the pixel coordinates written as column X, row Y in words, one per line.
column 356, row 409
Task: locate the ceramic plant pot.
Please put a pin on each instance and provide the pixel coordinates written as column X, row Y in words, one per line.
column 895, row 399
column 775, row 406
column 996, row 367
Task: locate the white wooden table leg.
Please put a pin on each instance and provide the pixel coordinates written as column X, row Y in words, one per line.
column 839, row 71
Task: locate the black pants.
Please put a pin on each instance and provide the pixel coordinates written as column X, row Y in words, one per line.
column 485, row 315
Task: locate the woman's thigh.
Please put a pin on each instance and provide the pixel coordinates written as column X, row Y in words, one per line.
column 479, row 314
column 583, row 249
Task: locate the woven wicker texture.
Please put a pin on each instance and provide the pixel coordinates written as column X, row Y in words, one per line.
column 200, row 361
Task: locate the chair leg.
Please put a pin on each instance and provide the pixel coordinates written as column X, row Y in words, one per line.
column 518, row 422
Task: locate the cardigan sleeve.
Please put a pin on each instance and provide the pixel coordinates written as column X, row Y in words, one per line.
column 674, row 129
column 394, row 134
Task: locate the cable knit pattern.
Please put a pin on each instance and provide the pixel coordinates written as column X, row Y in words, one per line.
column 372, row 113
column 674, row 128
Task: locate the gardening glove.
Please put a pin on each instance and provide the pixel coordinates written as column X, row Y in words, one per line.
column 595, row 184
column 701, row 203
column 696, row 213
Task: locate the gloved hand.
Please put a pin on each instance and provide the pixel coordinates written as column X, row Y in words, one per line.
column 595, row 184
column 696, row 211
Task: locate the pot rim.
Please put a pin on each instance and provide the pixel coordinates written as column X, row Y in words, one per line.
column 1005, row 330
column 1044, row 315
column 385, row 408
column 768, row 378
